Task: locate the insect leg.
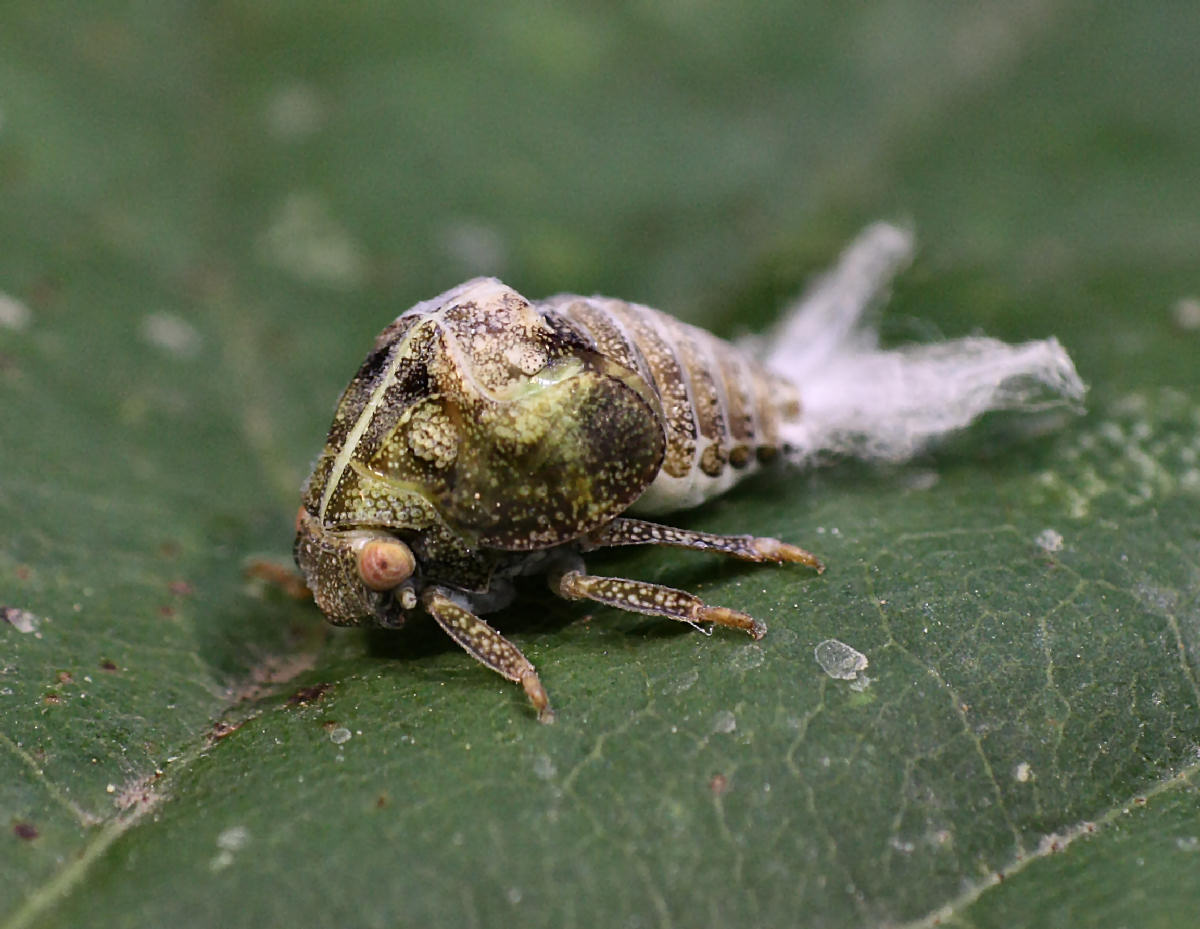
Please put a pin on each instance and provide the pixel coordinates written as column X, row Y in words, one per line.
column 746, row 547
column 652, row 599
column 488, row 647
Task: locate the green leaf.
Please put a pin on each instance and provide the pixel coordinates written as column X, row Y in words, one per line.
column 208, row 211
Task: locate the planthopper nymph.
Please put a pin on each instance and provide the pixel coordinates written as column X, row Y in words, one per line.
column 487, row 436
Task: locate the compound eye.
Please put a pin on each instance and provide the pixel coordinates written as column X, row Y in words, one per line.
column 384, row 563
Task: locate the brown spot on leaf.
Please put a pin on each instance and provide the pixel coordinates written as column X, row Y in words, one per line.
column 307, row 695
column 24, row 830
column 166, row 611
column 718, row 784
column 382, row 801
column 222, row 728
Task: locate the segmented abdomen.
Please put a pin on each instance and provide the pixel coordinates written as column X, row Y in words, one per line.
column 721, row 408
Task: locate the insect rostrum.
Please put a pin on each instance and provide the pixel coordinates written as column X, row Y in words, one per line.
column 486, row 437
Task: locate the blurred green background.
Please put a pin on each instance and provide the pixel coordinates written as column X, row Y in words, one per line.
column 207, row 211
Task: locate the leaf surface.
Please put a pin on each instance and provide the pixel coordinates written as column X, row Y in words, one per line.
column 208, row 213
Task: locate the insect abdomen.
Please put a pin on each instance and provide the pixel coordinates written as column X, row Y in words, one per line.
column 721, row 409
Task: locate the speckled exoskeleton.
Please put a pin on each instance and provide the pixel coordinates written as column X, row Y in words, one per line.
column 486, row 437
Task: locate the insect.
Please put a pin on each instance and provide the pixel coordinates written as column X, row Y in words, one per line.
column 486, row 437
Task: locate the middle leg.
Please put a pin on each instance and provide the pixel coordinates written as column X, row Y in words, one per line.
column 652, row 599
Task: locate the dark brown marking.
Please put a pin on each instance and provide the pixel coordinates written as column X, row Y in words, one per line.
column 712, row 460
column 306, row 695
column 24, row 830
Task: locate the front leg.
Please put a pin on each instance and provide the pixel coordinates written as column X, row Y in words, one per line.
column 488, row 647
column 623, row 531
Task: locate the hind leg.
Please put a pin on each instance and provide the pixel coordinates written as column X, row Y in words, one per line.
column 746, row 547
column 657, row 600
